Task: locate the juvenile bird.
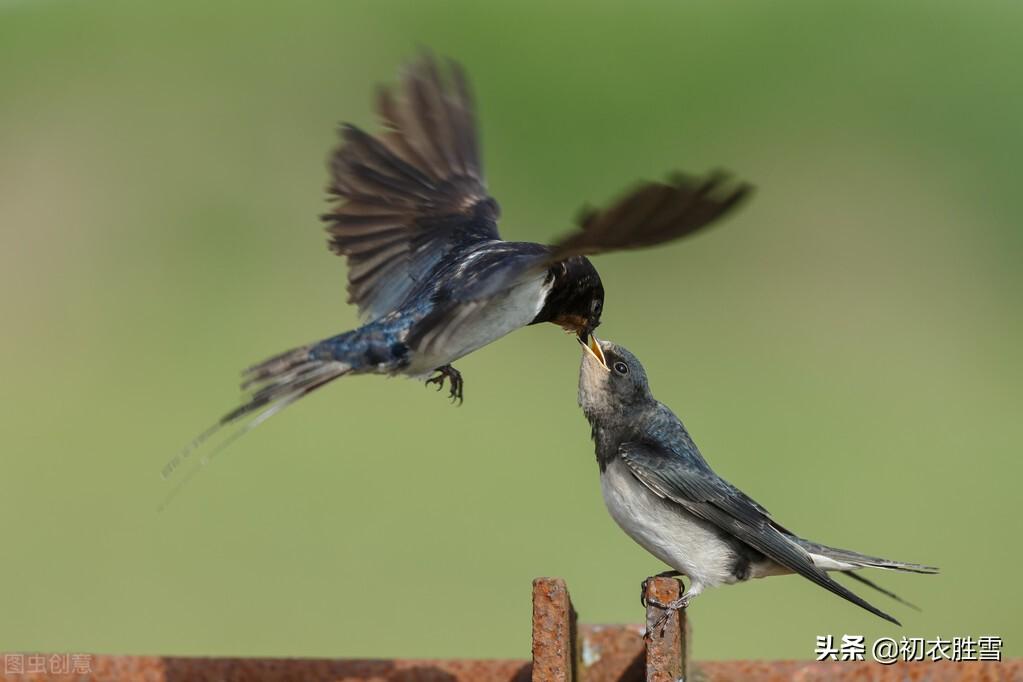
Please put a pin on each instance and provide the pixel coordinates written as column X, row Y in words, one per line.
column 663, row 494
column 431, row 276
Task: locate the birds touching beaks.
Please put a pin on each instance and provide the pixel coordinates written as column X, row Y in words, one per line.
column 430, row 274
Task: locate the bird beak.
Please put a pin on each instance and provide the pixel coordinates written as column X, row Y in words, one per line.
column 592, row 346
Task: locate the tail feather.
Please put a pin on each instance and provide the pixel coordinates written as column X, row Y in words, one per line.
column 273, row 385
column 870, row 583
column 848, row 562
column 825, row 581
column 856, row 560
column 275, row 366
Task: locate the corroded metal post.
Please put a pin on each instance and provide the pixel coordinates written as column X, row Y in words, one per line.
column 667, row 656
column 555, row 654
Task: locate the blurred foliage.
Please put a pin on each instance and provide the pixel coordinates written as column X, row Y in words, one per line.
column 846, row 349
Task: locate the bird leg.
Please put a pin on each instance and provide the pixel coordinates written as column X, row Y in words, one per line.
column 643, row 585
column 454, row 376
column 669, row 608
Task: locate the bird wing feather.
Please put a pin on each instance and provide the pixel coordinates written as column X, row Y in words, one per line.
column 407, row 196
column 691, row 484
column 653, row 213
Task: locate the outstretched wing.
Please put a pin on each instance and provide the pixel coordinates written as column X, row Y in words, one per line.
column 650, row 214
column 408, row 195
column 653, row 213
column 692, row 485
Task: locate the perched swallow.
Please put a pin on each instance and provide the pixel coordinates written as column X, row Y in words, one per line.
column 431, row 276
column 664, row 495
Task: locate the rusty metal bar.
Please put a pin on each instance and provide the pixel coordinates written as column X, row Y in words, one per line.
column 169, row 669
column 612, row 653
column 666, row 646
column 562, row 652
column 859, row 671
column 555, row 650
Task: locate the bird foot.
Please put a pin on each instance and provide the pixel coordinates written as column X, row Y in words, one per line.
column 646, row 583
column 669, row 608
column 454, row 377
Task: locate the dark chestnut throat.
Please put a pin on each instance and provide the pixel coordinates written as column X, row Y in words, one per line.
column 574, row 283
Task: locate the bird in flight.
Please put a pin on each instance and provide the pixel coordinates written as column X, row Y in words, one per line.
column 431, row 276
column 660, row 490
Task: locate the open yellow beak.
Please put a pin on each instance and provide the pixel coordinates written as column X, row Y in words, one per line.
column 592, row 347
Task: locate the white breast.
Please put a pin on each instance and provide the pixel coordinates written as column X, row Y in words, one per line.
column 686, row 543
column 501, row 315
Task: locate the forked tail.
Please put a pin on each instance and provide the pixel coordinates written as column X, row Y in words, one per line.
column 279, row 381
column 848, row 562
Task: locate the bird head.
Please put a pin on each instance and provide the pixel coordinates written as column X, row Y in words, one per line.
column 575, row 301
column 611, row 379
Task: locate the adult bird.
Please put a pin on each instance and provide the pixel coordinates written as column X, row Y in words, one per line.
column 660, row 490
column 431, row 276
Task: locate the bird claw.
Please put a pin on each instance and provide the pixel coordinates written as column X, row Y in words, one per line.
column 646, row 583
column 668, row 608
column 454, row 377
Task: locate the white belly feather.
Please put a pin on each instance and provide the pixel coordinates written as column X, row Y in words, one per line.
column 500, row 316
column 689, row 545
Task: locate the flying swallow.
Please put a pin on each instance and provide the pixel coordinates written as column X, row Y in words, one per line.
column 431, row 276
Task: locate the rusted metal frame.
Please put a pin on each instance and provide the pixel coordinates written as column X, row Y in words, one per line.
column 611, row 668
column 174, row 669
column 563, row 651
column 566, row 652
column 1009, row 670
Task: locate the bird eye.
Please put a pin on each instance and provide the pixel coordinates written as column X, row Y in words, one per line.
column 621, row 368
column 597, row 307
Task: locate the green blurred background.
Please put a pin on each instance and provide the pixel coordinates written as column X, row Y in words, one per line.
column 846, row 348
